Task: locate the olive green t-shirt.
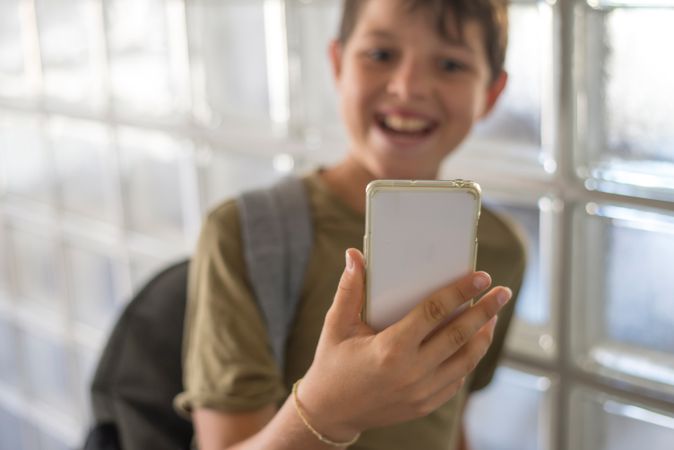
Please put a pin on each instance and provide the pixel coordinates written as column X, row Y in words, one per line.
column 228, row 363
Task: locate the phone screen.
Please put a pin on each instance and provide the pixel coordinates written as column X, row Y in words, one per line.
column 419, row 237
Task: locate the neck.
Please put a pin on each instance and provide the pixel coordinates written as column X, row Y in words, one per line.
column 348, row 180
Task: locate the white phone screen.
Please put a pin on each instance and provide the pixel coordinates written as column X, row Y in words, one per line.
column 418, row 239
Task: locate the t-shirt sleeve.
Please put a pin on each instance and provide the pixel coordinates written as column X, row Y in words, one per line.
column 502, row 254
column 227, row 361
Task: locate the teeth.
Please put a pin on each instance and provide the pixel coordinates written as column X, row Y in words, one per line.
column 405, row 124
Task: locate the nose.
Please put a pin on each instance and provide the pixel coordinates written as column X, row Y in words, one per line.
column 410, row 80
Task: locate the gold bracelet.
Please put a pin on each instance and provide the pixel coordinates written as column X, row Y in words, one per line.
column 312, row 429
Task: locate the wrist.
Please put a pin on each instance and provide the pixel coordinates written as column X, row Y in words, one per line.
column 321, row 416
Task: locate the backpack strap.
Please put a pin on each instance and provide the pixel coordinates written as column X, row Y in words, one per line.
column 277, row 236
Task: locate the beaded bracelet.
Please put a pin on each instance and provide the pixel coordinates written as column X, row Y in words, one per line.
column 318, row 435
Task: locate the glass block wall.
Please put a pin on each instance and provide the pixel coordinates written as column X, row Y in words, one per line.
column 122, row 122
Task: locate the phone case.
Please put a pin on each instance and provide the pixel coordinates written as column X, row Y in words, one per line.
column 419, row 236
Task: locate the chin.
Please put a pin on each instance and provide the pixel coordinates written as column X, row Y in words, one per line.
column 401, row 172
column 404, row 164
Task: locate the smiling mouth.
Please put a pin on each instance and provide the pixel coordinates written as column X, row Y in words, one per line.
column 405, row 126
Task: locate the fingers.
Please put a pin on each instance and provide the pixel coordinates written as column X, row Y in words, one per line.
column 451, row 375
column 438, row 307
column 348, row 301
column 450, row 339
column 444, row 395
column 461, row 364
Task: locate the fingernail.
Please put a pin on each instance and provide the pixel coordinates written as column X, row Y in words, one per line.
column 349, row 262
column 504, row 296
column 480, row 281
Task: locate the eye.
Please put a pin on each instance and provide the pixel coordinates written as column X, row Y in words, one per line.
column 380, row 54
column 451, row 65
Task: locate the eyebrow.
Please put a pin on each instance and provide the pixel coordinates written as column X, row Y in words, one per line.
column 458, row 42
column 380, row 34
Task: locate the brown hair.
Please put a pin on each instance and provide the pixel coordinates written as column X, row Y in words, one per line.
column 491, row 14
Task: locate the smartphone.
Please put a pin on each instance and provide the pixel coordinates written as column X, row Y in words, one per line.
column 419, row 237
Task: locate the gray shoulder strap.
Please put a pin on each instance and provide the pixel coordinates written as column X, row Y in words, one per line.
column 277, row 237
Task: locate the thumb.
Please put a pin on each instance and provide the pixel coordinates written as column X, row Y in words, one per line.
column 348, row 302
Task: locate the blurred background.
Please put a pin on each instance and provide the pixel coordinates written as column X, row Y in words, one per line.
column 123, row 121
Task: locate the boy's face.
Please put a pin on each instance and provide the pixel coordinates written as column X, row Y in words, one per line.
column 409, row 96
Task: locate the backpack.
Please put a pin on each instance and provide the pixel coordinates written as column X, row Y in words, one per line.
column 140, row 370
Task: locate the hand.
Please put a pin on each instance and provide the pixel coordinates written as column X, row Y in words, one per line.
column 360, row 379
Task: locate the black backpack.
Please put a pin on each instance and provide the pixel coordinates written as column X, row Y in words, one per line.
column 140, row 370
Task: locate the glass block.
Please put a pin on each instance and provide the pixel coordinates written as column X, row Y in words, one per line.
column 39, row 277
column 9, row 356
column 49, row 441
column 316, row 25
column 5, row 282
column 94, row 285
column 524, row 398
column 623, row 287
column 224, row 174
column 71, row 51
column 516, row 120
column 602, row 422
column 13, row 82
column 85, row 168
column 152, row 165
column 11, row 431
column 48, row 372
column 87, row 360
column 144, row 69
column 25, row 158
column 629, row 145
column 228, row 54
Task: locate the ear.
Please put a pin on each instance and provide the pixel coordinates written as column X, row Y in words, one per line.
column 336, row 51
column 494, row 91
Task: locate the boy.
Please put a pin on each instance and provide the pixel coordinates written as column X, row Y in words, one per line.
column 413, row 78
